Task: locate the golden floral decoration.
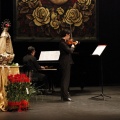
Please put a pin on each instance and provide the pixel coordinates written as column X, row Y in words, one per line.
column 50, row 17
column 86, row 2
column 60, row 11
column 41, row 16
column 73, row 16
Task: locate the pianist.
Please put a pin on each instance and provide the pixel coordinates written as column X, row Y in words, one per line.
column 30, row 63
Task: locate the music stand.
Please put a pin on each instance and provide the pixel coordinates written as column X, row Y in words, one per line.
column 98, row 51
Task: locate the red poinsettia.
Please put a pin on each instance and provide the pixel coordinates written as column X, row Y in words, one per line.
column 18, row 78
column 18, row 92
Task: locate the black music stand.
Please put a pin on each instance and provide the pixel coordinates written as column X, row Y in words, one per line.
column 98, row 51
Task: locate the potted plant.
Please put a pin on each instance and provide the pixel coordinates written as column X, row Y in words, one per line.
column 18, row 92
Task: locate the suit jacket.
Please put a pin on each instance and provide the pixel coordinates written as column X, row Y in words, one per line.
column 65, row 53
column 31, row 62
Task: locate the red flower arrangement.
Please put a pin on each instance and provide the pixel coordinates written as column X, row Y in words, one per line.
column 18, row 92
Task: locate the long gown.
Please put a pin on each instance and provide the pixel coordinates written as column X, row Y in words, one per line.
column 6, row 56
column 6, row 48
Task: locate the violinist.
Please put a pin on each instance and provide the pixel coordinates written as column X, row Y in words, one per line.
column 65, row 62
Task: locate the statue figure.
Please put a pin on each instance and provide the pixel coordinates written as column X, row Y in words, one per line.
column 6, row 48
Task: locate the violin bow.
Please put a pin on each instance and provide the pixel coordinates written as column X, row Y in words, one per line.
column 70, row 31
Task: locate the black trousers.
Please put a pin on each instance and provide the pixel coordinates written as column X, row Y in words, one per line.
column 40, row 79
column 65, row 79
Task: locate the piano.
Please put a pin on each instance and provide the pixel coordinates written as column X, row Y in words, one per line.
column 49, row 59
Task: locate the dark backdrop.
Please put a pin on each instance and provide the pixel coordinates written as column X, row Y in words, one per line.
column 108, row 33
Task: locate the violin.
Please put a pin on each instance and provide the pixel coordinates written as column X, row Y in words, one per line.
column 71, row 42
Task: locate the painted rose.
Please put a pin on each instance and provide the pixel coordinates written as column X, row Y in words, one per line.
column 86, row 2
column 73, row 16
column 41, row 16
column 29, row 1
column 55, row 24
column 60, row 11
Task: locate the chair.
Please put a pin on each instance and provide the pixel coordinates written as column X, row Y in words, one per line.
column 39, row 88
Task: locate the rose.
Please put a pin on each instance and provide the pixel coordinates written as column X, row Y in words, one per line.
column 29, row 1
column 73, row 16
column 86, row 2
column 60, row 10
column 41, row 16
column 55, row 24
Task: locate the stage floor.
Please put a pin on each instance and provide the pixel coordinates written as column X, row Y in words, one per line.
column 83, row 106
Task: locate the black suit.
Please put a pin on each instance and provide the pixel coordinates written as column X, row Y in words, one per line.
column 65, row 62
column 31, row 63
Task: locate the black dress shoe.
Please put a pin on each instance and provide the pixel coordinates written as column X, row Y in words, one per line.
column 66, row 99
column 46, row 92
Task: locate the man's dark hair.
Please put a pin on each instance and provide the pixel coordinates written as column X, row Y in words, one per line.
column 64, row 32
column 30, row 49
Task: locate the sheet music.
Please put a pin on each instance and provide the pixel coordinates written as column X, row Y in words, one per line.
column 99, row 49
column 49, row 56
